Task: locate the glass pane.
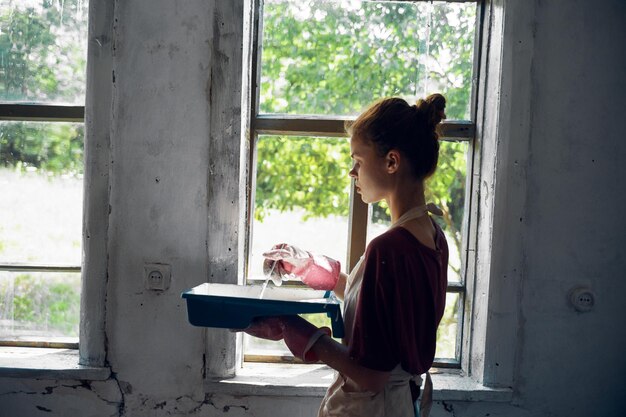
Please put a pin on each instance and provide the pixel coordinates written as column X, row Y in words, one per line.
column 35, row 305
column 446, row 188
column 336, row 57
column 301, row 197
column 257, row 346
column 41, row 168
column 378, row 220
column 43, row 51
column 449, row 328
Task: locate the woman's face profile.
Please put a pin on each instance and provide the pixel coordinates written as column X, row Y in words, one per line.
column 368, row 170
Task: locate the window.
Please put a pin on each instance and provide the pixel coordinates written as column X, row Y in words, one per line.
column 42, row 93
column 319, row 63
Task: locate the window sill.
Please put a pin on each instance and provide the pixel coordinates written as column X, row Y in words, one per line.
column 287, row 380
column 47, row 363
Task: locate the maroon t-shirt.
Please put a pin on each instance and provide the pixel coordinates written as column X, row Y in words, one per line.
column 401, row 302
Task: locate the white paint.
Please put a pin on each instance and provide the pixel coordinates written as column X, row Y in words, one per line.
column 560, row 167
column 98, row 127
column 224, row 178
column 252, row 292
column 500, row 260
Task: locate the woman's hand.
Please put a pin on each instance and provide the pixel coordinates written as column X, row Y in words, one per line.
column 282, row 260
column 269, row 328
column 299, row 334
column 336, row 356
column 316, row 271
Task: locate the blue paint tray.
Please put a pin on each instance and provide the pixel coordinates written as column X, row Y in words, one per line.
column 231, row 306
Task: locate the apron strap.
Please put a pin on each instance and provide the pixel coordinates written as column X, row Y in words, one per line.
column 426, row 401
column 416, row 212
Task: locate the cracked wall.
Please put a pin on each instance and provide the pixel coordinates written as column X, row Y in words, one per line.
column 21, row 397
column 104, row 398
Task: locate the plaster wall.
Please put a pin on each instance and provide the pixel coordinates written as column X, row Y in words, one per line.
column 159, row 150
column 162, row 134
column 573, row 363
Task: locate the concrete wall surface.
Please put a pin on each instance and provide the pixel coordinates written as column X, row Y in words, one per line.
column 565, row 363
column 573, row 363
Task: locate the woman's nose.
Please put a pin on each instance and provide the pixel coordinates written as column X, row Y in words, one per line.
column 352, row 173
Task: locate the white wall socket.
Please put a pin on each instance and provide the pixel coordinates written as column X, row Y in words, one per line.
column 582, row 299
column 157, row 276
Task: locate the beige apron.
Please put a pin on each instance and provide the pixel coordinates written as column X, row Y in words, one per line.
column 344, row 398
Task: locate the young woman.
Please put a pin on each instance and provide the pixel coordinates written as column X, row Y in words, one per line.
column 395, row 296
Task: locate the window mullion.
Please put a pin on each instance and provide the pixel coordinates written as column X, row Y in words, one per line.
column 457, row 130
column 357, row 232
column 322, row 123
column 28, row 267
column 41, row 112
column 301, row 125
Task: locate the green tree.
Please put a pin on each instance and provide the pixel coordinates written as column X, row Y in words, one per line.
column 41, row 60
column 314, row 171
column 42, row 54
column 50, row 304
column 320, row 58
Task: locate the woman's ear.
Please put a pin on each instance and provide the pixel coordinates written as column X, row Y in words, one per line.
column 393, row 161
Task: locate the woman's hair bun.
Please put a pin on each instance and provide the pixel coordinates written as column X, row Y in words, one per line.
column 392, row 123
column 433, row 109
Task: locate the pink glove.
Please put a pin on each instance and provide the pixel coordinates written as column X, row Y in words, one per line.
column 300, row 336
column 316, row 271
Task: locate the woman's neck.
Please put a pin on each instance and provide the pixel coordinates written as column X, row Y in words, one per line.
column 404, row 199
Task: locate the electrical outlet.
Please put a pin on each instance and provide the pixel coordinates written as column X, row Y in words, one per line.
column 157, row 276
column 582, row 299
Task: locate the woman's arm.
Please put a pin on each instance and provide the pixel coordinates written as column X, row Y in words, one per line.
column 336, row 356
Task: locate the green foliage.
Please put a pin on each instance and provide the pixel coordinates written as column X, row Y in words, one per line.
column 63, row 307
column 40, row 57
column 24, row 34
column 50, row 147
column 49, row 303
column 24, row 309
column 452, row 31
column 41, row 60
column 448, row 328
column 314, row 172
column 447, row 189
column 320, row 58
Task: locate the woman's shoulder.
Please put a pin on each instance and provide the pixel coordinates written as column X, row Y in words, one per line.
column 394, row 239
column 400, row 240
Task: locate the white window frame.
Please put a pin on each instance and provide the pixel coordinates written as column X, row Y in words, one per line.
column 319, row 125
column 497, row 259
column 89, row 361
column 40, row 112
column 96, row 180
column 500, row 155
